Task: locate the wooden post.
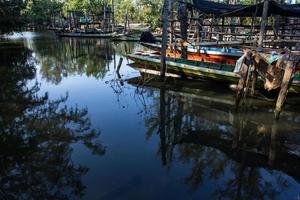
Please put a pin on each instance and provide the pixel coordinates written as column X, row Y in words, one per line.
column 104, row 17
column 285, row 84
column 183, row 18
column 254, row 80
column 198, row 31
column 172, row 27
column 241, row 85
column 264, row 22
column 165, row 21
column 113, row 14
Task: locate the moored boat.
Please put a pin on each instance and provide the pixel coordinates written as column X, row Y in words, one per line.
column 88, row 35
column 149, row 63
column 205, row 54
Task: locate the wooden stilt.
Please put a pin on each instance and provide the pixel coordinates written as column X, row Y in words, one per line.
column 165, row 20
column 285, row 84
column 253, row 83
column 264, row 21
column 183, row 18
column 241, row 85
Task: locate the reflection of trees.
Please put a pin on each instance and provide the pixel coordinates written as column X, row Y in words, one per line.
column 71, row 56
column 36, row 135
column 238, row 151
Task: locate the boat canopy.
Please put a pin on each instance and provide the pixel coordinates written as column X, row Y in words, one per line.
column 239, row 10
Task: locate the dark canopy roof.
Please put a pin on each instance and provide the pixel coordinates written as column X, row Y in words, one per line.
column 229, row 10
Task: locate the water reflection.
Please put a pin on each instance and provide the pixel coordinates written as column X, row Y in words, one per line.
column 246, row 155
column 36, row 133
column 63, row 57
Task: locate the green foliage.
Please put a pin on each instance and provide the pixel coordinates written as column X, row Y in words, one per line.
column 150, row 12
column 125, row 9
column 87, row 6
column 41, row 11
column 16, row 13
column 10, row 15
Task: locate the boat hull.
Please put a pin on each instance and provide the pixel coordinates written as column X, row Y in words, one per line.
column 151, row 65
column 86, row 35
column 184, row 70
column 214, row 55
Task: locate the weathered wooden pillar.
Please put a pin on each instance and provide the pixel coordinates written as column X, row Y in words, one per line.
column 198, row 32
column 113, row 14
column 241, row 85
column 183, row 19
column 172, row 31
column 277, row 20
column 165, row 22
column 285, row 84
column 253, row 83
column 264, row 22
column 105, row 17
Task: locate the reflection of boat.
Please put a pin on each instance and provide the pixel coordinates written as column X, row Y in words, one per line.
column 150, row 62
column 199, row 126
column 206, row 54
column 259, row 154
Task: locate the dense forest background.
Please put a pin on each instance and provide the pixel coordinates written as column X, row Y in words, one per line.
column 15, row 14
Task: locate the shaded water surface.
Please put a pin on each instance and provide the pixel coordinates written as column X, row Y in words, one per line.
column 71, row 127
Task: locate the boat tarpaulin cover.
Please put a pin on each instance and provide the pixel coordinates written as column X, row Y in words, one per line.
column 238, row 10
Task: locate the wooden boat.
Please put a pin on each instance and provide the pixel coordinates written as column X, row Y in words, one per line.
column 205, row 54
column 126, row 37
column 149, row 63
column 87, row 35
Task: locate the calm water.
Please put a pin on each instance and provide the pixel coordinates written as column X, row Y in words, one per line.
column 73, row 128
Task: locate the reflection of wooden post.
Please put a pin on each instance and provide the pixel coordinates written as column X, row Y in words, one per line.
column 165, row 21
column 287, row 79
column 183, row 18
column 162, row 124
column 273, row 144
column 119, row 64
column 264, row 22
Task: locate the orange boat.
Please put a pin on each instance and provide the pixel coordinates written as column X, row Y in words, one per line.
column 205, row 54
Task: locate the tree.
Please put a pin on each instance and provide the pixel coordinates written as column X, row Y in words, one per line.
column 125, row 12
column 150, row 12
column 40, row 12
column 10, row 15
